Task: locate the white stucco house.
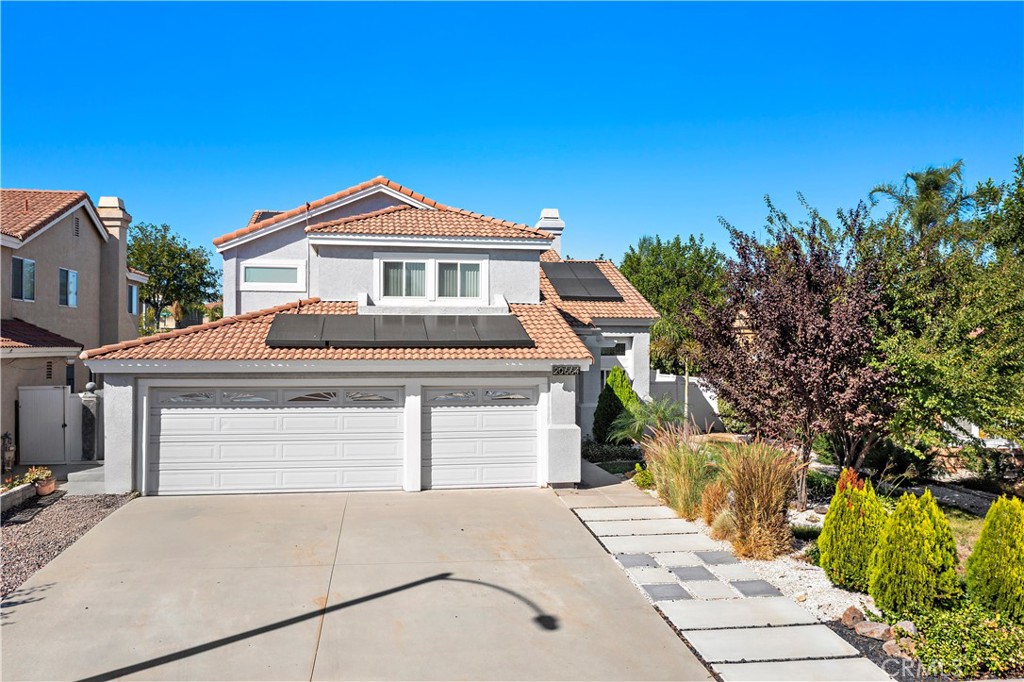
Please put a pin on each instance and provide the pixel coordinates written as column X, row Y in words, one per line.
column 376, row 339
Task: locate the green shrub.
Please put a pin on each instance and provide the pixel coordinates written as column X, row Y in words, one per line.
column 681, row 466
column 595, row 452
column 820, row 484
column 907, row 570
column 813, row 553
column 968, row 641
column 730, row 419
column 848, row 536
column 945, row 556
column 641, row 416
column 643, row 478
column 616, row 396
column 995, row 569
column 724, row 525
column 760, row 478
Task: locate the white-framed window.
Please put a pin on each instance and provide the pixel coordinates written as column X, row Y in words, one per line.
column 133, row 299
column 458, row 280
column 404, row 279
column 273, row 275
column 68, row 288
column 23, row 279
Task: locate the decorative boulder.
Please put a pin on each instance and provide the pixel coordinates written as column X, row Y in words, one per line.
column 906, row 627
column 879, row 631
column 903, row 647
column 852, row 616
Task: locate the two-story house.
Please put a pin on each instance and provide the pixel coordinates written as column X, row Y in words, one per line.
column 65, row 286
column 376, row 339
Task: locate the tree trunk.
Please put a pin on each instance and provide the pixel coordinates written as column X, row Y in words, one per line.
column 801, row 477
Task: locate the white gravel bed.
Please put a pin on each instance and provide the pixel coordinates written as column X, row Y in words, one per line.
column 795, row 577
column 27, row 547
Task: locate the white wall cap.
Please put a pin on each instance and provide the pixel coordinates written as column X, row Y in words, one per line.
column 110, row 202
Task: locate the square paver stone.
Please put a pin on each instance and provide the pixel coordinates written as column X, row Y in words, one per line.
column 730, row 572
column 642, row 527
column 624, row 513
column 648, row 544
column 717, row 557
column 835, row 670
column 693, row 573
column 769, row 644
column 672, row 559
column 756, row 588
column 707, row 589
column 631, row 560
column 736, row 613
column 651, row 574
column 666, row 592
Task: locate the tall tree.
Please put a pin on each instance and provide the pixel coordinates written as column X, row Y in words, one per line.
column 178, row 272
column 790, row 345
column 673, row 275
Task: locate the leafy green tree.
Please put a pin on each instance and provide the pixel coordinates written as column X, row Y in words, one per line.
column 178, row 272
column 673, row 275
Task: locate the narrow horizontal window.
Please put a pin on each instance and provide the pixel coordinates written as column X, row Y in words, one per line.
column 266, row 274
column 617, row 349
column 314, row 397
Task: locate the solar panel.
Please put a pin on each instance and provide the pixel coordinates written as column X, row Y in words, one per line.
column 398, row 331
column 580, row 281
column 296, row 331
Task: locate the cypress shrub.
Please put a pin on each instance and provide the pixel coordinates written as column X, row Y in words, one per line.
column 944, row 558
column 995, row 569
column 854, row 520
column 901, row 573
column 616, row 396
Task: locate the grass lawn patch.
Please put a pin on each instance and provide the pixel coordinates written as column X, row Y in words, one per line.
column 966, row 530
column 617, row 467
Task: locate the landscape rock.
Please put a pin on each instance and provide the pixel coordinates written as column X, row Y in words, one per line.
column 821, row 509
column 879, row 631
column 852, row 616
column 904, row 647
column 813, row 518
column 802, row 596
column 906, row 626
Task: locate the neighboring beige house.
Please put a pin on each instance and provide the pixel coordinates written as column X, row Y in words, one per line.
column 65, row 286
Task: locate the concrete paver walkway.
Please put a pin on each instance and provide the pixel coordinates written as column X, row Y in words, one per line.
column 740, row 624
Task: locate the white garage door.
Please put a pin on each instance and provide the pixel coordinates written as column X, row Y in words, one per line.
column 479, row 437
column 217, row 440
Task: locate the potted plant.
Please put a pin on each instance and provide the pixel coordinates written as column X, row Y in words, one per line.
column 44, row 480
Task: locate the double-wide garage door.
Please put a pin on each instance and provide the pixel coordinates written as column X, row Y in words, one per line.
column 219, row 440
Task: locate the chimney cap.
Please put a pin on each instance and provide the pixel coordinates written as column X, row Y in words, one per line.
column 110, row 202
column 549, row 214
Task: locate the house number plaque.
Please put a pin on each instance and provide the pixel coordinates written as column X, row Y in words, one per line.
column 565, row 370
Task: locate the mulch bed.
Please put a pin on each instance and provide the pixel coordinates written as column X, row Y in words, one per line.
column 32, row 534
column 900, row 669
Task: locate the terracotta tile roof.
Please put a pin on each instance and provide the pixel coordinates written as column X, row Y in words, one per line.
column 15, row 333
column 261, row 214
column 550, row 256
column 423, row 222
column 242, row 337
column 280, row 216
column 23, row 211
column 580, row 313
column 136, row 271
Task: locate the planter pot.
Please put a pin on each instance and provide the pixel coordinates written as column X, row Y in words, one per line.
column 46, row 487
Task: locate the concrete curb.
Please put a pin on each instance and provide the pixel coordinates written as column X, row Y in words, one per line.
column 16, row 496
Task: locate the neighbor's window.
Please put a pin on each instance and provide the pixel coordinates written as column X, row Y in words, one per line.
column 458, row 280
column 402, row 278
column 23, row 279
column 133, row 299
column 266, row 274
column 68, row 288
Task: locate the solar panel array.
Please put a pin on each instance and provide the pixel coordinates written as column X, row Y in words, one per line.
column 397, row 331
column 580, row 281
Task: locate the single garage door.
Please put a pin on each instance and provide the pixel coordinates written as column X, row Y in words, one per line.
column 220, row 440
column 479, row 437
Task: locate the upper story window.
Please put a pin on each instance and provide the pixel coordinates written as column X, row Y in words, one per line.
column 273, row 275
column 133, row 299
column 618, row 349
column 23, row 279
column 405, row 278
column 458, row 280
column 68, row 289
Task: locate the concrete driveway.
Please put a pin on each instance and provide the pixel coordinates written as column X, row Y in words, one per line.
column 487, row 584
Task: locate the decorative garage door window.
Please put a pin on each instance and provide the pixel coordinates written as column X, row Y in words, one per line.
column 249, row 396
column 187, row 397
column 357, row 396
column 370, row 397
column 311, row 396
column 486, row 396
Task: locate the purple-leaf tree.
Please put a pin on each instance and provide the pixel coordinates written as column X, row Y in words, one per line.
column 790, row 347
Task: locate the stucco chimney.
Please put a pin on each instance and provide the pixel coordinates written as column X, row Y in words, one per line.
column 114, row 267
column 551, row 222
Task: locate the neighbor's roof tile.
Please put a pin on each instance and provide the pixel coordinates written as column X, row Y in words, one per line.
column 243, row 337
column 23, row 211
column 15, row 333
column 424, row 222
column 581, row 313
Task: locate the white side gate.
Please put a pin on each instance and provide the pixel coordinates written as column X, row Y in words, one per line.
column 49, row 425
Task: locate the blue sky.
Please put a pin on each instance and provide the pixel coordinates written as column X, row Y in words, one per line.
column 631, row 118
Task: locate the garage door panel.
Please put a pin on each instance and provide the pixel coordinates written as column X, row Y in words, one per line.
column 187, row 452
column 247, row 452
column 256, row 423
column 184, row 423
column 327, row 423
column 516, row 421
column 370, row 423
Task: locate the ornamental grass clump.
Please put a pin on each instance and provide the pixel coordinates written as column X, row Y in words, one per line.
column 848, row 536
column 713, row 500
column 909, row 567
column 681, row 466
column 761, row 480
column 995, row 569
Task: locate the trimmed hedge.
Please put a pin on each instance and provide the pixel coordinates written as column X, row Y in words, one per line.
column 995, row 569
column 595, row 452
column 850, row 531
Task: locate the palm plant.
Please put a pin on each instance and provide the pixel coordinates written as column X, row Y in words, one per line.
column 928, row 198
column 640, row 418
